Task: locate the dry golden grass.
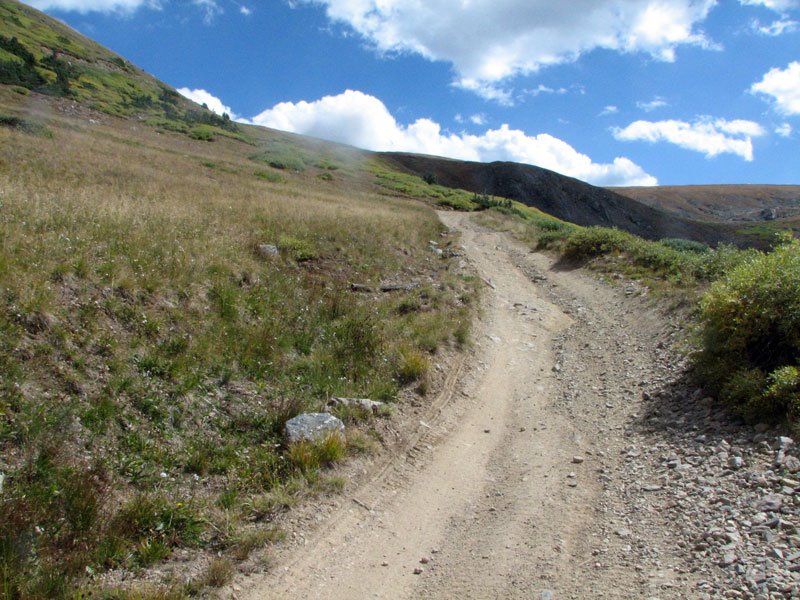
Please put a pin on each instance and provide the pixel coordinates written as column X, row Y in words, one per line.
column 150, row 353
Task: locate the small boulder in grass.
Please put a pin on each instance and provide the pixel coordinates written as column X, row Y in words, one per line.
column 267, row 250
column 312, row 427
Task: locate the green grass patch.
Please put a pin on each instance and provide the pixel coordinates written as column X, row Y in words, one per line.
column 25, row 125
column 204, row 133
column 270, row 176
column 416, row 187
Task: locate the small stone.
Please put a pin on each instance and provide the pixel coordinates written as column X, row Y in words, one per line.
column 424, row 560
column 487, row 431
column 651, row 487
column 623, row 532
column 267, row 250
column 577, row 460
column 736, row 462
column 373, row 406
column 312, row 427
column 384, row 564
column 791, row 463
column 418, row 571
column 770, row 503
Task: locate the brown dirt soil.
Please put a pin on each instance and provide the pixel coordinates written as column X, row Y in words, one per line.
column 516, row 482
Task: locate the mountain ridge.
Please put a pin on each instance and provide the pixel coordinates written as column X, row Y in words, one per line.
column 567, row 198
column 43, row 55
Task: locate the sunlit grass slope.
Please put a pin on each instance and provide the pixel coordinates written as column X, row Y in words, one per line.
column 151, row 348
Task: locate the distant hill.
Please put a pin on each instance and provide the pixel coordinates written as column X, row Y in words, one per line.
column 723, row 203
column 576, row 201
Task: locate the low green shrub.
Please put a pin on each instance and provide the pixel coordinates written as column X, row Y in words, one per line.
column 591, row 242
column 307, row 457
column 204, row 133
column 299, row 249
column 750, row 323
column 270, row 176
column 683, row 245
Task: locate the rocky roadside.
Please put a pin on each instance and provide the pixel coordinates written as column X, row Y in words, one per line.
column 731, row 492
column 696, row 502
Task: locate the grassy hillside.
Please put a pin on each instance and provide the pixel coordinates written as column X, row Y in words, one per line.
column 40, row 54
column 151, row 349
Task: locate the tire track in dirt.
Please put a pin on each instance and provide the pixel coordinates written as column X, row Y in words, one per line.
column 504, row 492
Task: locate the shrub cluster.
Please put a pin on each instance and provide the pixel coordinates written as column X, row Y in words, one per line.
column 751, row 335
column 678, row 260
column 25, row 71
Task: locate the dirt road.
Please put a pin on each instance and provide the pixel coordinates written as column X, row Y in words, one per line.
column 517, row 486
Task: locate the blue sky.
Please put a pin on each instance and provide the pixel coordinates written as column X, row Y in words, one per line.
column 615, row 92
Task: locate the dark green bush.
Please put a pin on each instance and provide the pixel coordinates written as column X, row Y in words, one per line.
column 751, row 335
column 683, row 245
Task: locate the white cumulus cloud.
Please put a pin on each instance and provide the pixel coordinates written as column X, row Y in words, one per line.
column 84, row 6
column 784, row 87
column 210, row 8
column 711, row 137
column 213, row 103
column 489, row 41
column 776, row 5
column 362, row 120
column 784, row 130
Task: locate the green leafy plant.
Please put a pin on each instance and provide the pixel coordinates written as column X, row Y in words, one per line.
column 751, row 334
